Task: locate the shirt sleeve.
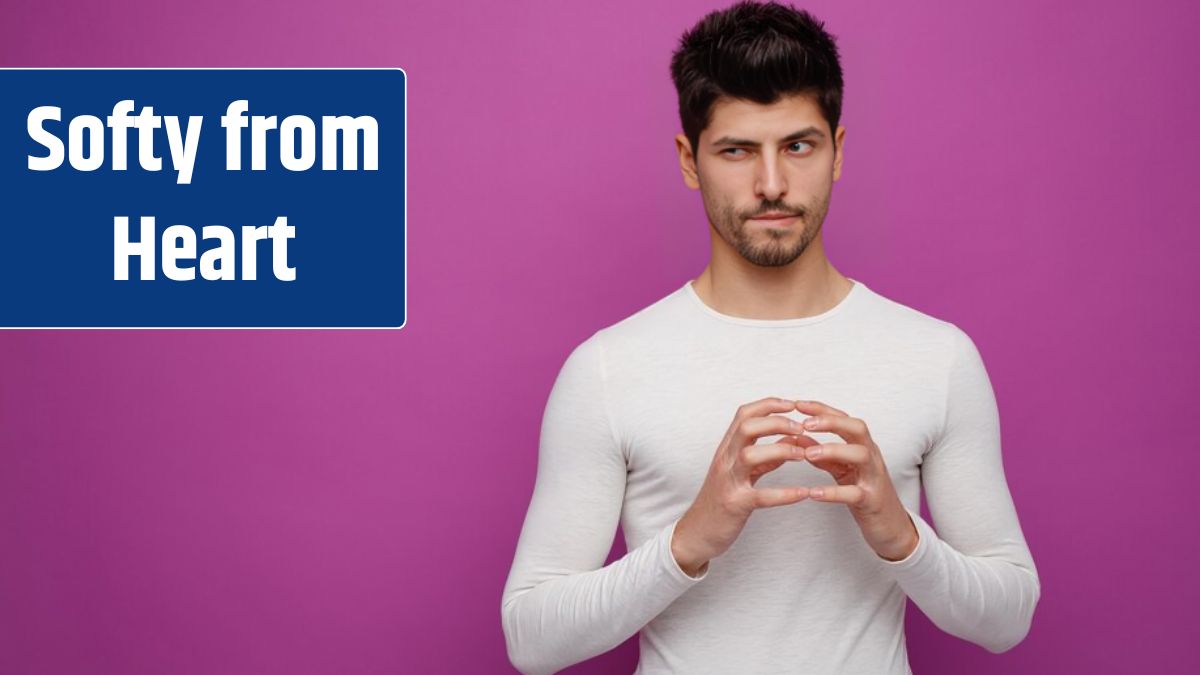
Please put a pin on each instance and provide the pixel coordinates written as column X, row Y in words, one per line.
column 974, row 577
column 561, row 605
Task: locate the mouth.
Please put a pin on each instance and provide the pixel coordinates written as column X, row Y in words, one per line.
column 776, row 218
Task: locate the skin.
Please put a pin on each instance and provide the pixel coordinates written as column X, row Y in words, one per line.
column 763, row 269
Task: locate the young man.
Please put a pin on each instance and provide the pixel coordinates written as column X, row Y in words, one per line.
column 759, row 545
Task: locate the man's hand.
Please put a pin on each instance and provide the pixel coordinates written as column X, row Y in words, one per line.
column 863, row 482
column 728, row 496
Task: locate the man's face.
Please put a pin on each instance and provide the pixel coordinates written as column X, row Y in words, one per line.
column 756, row 163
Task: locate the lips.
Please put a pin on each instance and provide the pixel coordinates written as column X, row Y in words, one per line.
column 775, row 216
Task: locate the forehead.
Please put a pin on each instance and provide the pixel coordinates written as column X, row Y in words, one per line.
column 747, row 119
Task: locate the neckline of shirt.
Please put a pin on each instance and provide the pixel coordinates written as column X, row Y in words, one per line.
column 858, row 288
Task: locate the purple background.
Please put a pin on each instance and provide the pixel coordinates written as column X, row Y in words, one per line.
column 310, row 502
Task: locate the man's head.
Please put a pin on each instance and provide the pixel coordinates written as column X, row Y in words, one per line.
column 760, row 96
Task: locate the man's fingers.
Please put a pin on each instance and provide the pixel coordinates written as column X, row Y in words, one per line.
column 845, row 494
column 759, row 408
column 753, row 428
column 754, row 455
column 818, row 408
column 846, row 453
column 851, row 429
column 763, row 406
column 767, row 497
column 800, row 440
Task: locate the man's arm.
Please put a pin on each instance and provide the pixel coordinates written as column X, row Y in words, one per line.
column 974, row 577
column 560, row 606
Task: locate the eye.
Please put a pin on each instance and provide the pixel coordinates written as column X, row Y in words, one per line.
column 729, row 151
column 802, row 143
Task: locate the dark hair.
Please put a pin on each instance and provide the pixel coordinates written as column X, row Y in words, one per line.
column 758, row 52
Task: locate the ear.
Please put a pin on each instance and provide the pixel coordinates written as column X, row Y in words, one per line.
column 839, row 139
column 687, row 162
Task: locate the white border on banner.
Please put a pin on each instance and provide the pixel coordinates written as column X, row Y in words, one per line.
column 405, row 284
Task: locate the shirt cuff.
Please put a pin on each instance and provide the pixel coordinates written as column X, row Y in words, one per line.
column 925, row 539
column 672, row 564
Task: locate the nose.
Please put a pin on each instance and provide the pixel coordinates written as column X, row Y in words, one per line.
column 770, row 183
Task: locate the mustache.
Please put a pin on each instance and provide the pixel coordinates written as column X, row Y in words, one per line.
column 775, row 208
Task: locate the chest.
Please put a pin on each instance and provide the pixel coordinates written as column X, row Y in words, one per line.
column 671, row 427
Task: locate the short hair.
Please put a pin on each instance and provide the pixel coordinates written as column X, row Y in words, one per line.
column 758, row 52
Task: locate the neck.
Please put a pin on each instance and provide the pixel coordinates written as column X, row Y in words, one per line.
column 807, row 286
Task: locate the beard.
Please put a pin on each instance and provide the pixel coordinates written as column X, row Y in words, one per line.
column 767, row 247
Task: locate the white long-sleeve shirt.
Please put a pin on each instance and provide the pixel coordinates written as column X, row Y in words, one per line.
column 629, row 432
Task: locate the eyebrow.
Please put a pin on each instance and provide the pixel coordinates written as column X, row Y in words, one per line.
column 795, row 136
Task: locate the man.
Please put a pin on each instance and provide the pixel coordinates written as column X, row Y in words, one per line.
column 758, row 544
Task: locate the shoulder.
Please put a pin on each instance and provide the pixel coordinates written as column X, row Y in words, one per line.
column 887, row 311
column 639, row 333
column 647, row 332
column 893, row 325
column 649, row 321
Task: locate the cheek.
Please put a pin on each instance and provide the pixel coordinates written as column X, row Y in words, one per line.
column 715, row 193
column 729, row 187
column 716, row 207
column 810, row 177
column 809, row 188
